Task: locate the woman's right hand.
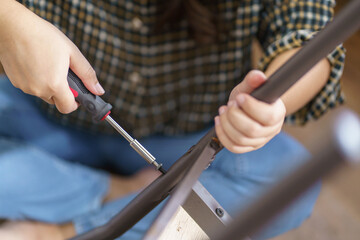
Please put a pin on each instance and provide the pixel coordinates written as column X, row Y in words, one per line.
column 36, row 57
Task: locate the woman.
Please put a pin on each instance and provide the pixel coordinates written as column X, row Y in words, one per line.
column 166, row 67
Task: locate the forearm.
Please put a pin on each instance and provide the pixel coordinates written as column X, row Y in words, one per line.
column 307, row 87
column 6, row 9
column 10, row 12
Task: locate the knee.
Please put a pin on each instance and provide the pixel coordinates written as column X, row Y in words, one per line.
column 17, row 173
column 10, row 191
column 293, row 216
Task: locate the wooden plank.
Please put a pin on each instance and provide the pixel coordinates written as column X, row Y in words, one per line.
column 183, row 227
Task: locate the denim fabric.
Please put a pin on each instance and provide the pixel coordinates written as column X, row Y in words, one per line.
column 51, row 173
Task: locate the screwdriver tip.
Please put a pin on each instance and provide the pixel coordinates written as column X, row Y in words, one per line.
column 162, row 170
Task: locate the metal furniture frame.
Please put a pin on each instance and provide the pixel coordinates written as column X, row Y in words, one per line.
column 181, row 179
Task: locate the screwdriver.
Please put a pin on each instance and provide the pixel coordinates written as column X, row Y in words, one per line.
column 101, row 110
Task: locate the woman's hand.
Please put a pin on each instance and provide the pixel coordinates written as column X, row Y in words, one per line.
column 246, row 123
column 36, row 57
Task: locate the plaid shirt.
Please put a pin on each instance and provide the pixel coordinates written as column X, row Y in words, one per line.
column 165, row 82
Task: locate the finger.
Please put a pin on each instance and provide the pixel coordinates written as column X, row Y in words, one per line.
column 264, row 113
column 246, row 125
column 82, row 68
column 49, row 100
column 64, row 99
column 237, row 137
column 252, row 80
column 226, row 142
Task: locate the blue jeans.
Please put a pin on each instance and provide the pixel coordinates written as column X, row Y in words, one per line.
column 51, row 173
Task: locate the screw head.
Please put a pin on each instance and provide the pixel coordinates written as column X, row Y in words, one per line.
column 219, row 212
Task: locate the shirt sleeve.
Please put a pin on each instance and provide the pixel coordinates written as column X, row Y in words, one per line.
column 289, row 24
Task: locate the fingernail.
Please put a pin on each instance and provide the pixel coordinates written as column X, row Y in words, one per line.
column 231, row 103
column 217, row 121
column 240, row 99
column 221, row 110
column 99, row 89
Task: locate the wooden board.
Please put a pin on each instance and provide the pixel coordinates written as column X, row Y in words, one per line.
column 183, row 227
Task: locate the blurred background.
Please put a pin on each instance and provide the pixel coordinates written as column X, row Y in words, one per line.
column 337, row 212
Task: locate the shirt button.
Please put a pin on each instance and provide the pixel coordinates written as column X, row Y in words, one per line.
column 136, row 23
column 135, row 77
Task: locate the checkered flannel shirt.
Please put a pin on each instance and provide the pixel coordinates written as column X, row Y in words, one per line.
column 165, row 82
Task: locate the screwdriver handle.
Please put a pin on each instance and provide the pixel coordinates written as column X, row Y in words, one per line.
column 94, row 104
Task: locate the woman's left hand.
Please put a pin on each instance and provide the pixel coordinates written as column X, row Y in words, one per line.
column 246, row 123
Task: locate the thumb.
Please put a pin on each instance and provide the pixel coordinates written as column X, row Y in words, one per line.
column 82, row 68
column 252, row 80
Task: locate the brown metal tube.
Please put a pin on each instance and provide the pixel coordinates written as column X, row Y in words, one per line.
column 347, row 22
column 339, row 145
column 337, row 31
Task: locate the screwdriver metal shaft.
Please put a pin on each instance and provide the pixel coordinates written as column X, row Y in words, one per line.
column 135, row 144
column 100, row 110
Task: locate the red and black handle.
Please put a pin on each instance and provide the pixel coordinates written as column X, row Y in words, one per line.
column 95, row 105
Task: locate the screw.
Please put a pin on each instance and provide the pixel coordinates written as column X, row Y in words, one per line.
column 219, row 212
